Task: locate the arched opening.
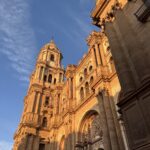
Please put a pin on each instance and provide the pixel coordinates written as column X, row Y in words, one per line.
column 55, row 81
column 91, row 68
column 91, row 80
column 60, row 77
column 85, row 72
column 45, row 78
column 50, row 78
column 46, row 101
column 44, row 123
column 90, row 131
column 52, row 58
column 81, row 79
column 82, row 93
column 87, row 90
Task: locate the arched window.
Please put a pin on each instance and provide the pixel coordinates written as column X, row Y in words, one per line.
column 91, row 80
column 47, row 101
column 87, row 88
column 90, row 68
column 55, row 81
column 52, row 58
column 81, row 79
column 45, row 78
column 85, row 72
column 50, row 78
column 112, row 64
column 44, row 123
column 81, row 93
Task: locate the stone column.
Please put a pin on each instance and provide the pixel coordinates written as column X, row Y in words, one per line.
column 30, row 142
column 47, row 146
column 36, row 143
column 32, row 101
column 123, row 68
column 37, row 72
column 117, row 124
column 52, row 145
column 23, row 144
column 110, row 120
column 69, row 142
column 101, row 51
column 68, row 137
column 40, row 72
column 98, row 54
column 43, row 71
column 94, row 56
column 69, row 87
column 40, row 96
column 133, row 45
column 37, row 103
column 106, row 136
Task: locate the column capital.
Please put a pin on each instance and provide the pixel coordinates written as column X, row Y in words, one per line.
column 102, row 90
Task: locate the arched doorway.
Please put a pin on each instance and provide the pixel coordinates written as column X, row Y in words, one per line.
column 90, row 136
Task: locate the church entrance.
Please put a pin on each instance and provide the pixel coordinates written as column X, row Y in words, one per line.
column 91, row 135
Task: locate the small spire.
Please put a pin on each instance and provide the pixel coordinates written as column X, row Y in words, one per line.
column 52, row 40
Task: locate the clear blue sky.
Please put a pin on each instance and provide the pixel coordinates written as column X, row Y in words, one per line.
column 25, row 26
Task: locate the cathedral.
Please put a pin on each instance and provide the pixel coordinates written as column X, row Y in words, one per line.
column 73, row 108
column 103, row 102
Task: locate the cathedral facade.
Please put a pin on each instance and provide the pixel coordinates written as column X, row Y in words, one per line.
column 73, row 108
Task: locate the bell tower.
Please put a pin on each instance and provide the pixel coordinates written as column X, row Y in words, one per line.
column 40, row 103
column 48, row 67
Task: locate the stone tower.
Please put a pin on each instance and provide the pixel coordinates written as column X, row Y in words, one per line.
column 40, row 103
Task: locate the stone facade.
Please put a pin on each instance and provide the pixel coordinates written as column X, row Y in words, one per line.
column 72, row 109
column 126, row 24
